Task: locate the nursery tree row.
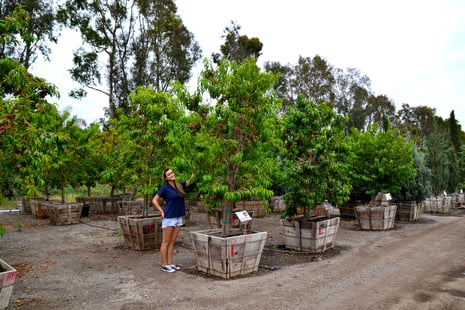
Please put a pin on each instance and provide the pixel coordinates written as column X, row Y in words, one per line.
column 247, row 132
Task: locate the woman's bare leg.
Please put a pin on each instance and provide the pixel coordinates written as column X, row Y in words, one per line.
column 165, row 245
column 170, row 250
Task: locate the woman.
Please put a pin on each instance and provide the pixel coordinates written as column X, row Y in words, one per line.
column 174, row 209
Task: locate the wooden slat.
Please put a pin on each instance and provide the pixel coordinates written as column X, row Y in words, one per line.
column 376, row 218
column 64, row 214
column 227, row 256
column 308, row 235
column 141, row 232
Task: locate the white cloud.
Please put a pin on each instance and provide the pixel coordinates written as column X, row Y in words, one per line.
column 90, row 108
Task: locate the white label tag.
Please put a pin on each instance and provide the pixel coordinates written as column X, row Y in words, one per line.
column 243, row 216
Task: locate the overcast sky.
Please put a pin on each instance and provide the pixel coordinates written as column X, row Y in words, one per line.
column 412, row 50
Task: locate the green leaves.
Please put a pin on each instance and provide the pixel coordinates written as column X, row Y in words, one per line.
column 17, row 23
column 241, row 134
column 25, row 138
column 317, row 158
column 383, row 159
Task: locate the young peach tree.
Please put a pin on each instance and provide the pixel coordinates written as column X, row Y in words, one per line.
column 316, row 161
column 240, row 133
column 23, row 140
column 383, row 161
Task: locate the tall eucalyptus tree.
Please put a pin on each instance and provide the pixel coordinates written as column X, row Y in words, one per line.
column 106, row 28
column 380, row 110
column 442, row 161
column 313, row 79
column 282, row 86
column 164, row 49
column 237, row 47
column 352, row 91
column 141, row 43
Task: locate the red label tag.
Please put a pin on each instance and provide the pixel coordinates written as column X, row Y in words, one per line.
column 9, row 279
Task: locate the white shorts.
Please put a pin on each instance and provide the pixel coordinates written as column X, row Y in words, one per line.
column 171, row 222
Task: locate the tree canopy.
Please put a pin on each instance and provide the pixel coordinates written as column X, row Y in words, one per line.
column 309, row 130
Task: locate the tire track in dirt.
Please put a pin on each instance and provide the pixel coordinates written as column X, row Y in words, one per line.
column 413, row 266
column 399, row 269
column 380, row 275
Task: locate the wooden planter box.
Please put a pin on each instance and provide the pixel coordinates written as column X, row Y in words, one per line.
column 310, row 234
column 408, row 211
column 23, row 205
column 84, row 200
column 141, row 232
column 85, row 205
column 64, row 214
column 427, row 204
column 438, row 204
column 8, row 277
column 277, row 204
column 131, row 207
column 39, row 207
column 104, row 205
column 237, row 254
column 255, row 206
column 348, row 209
column 215, row 218
column 460, row 200
column 376, row 218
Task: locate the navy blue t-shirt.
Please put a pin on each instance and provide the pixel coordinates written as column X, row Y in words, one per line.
column 174, row 202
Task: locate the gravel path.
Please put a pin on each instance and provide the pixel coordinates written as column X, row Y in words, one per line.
column 417, row 265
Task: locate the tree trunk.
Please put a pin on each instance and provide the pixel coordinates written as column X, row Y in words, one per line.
column 47, row 194
column 229, row 205
column 62, row 187
column 227, row 217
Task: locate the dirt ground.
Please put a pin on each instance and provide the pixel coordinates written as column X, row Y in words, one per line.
column 415, row 265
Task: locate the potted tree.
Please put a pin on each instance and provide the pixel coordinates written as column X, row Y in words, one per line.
column 140, row 155
column 21, row 137
column 316, row 169
column 383, row 160
column 412, row 194
column 378, row 215
column 239, row 133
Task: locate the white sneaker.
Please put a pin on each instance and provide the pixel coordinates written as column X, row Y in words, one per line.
column 167, row 268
